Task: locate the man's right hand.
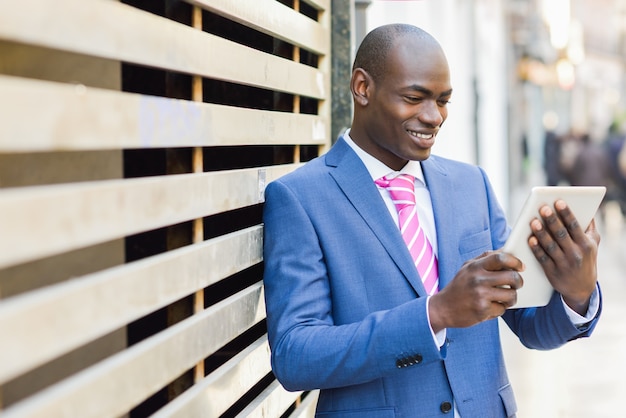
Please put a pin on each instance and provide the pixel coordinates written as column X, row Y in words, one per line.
column 482, row 289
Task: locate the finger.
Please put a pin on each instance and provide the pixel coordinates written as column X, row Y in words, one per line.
column 506, row 297
column 542, row 257
column 593, row 232
column 497, row 309
column 505, row 279
column 498, row 260
column 552, row 236
column 512, row 279
column 569, row 221
column 559, row 234
column 543, row 237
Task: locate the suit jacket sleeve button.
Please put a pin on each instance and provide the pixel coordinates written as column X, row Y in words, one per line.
column 445, row 407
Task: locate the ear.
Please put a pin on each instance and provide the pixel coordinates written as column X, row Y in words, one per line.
column 361, row 85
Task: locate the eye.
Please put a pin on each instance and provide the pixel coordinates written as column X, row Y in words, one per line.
column 443, row 102
column 413, row 99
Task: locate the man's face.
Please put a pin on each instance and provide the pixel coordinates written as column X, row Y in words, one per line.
column 406, row 108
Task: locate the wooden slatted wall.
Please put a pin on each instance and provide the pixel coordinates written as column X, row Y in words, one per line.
column 136, row 139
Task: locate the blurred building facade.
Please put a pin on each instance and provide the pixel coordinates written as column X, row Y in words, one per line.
column 570, row 57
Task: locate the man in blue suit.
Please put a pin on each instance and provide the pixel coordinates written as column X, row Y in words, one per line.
column 347, row 311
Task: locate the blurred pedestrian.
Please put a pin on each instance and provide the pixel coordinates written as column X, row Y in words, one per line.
column 591, row 166
column 616, row 151
column 552, row 158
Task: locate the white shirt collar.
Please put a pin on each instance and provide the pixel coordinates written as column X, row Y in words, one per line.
column 378, row 169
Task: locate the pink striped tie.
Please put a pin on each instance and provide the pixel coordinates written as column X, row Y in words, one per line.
column 402, row 192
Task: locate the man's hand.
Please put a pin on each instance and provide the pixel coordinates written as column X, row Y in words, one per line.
column 567, row 254
column 482, row 289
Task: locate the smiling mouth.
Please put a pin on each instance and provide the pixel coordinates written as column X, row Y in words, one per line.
column 420, row 135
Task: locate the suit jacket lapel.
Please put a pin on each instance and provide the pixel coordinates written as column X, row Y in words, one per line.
column 356, row 183
column 438, row 183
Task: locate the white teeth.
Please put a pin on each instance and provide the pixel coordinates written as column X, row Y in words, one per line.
column 421, row 136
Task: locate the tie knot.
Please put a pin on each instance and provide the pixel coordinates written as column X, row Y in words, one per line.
column 401, row 189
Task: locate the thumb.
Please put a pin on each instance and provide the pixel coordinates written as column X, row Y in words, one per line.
column 592, row 232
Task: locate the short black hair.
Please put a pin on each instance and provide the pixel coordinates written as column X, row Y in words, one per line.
column 374, row 49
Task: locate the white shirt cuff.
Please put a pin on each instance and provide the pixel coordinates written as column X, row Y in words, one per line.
column 440, row 337
column 592, row 311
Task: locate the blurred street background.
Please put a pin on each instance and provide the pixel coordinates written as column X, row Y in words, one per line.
column 540, row 99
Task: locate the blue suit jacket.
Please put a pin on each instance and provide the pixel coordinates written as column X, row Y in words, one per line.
column 345, row 306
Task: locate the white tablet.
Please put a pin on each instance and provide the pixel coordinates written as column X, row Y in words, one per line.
column 582, row 201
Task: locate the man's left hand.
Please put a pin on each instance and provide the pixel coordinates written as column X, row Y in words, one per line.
column 567, row 254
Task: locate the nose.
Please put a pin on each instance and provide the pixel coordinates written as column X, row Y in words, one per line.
column 431, row 113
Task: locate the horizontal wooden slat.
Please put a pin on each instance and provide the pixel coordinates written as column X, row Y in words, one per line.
column 275, row 19
column 307, row 408
column 115, row 385
column 217, row 392
column 46, row 220
column 85, row 308
column 71, row 118
column 272, row 402
column 319, row 4
column 116, row 31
